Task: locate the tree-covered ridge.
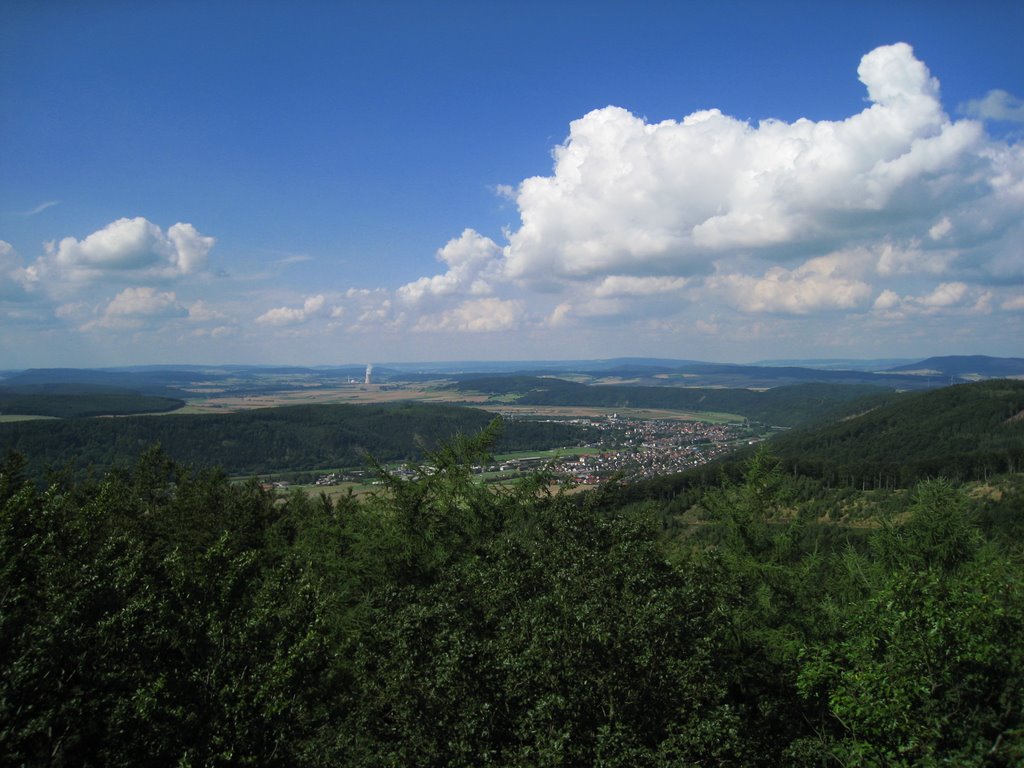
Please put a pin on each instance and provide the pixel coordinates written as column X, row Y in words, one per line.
column 967, row 431
column 79, row 401
column 885, row 441
column 270, row 439
column 162, row 616
column 166, row 382
column 780, row 406
column 968, row 365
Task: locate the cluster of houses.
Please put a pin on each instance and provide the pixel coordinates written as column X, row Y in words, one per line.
column 652, row 447
column 334, row 478
column 629, row 448
column 633, row 448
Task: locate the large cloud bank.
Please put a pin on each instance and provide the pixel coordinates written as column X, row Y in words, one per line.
column 895, row 212
column 895, row 218
column 630, row 197
column 774, row 217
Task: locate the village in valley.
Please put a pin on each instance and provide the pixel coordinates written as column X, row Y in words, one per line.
column 630, row 448
column 645, row 448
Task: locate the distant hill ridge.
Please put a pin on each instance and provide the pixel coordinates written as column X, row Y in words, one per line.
column 178, row 381
column 968, row 365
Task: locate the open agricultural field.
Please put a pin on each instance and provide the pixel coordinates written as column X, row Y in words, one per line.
column 363, row 394
column 588, row 412
column 336, row 492
column 500, row 404
column 556, row 453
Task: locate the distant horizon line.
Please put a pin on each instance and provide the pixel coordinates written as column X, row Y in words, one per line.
column 542, row 362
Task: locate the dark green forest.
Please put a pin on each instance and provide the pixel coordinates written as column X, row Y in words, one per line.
column 166, row 616
column 78, row 401
column 264, row 440
column 968, row 431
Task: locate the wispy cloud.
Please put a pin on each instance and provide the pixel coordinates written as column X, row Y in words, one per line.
column 996, row 105
column 38, row 209
column 297, row 258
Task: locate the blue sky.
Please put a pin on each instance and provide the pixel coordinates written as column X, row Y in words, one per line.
column 324, row 183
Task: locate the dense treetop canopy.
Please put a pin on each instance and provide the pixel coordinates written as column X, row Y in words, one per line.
column 161, row 615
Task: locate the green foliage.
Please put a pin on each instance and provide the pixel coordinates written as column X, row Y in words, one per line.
column 964, row 432
column 939, row 533
column 928, row 667
column 159, row 615
column 133, row 632
column 524, row 629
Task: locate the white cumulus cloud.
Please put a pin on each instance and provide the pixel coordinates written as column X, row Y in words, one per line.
column 129, row 245
column 473, row 262
column 124, row 251
column 190, row 248
column 887, row 300
column 628, row 285
column 144, row 302
column 475, row 316
column 311, row 307
column 629, row 197
column 819, row 284
column 952, row 299
column 645, row 229
column 912, row 259
column 944, row 295
column 135, row 308
column 15, row 281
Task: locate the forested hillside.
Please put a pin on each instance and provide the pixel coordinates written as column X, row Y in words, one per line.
column 70, row 401
column 781, row 406
column 889, row 441
column 966, row 431
column 270, row 439
column 163, row 617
